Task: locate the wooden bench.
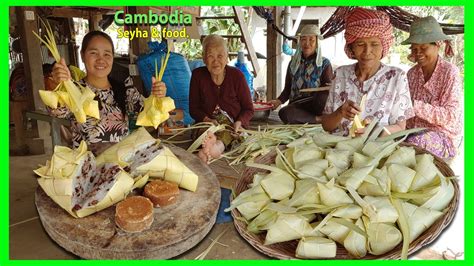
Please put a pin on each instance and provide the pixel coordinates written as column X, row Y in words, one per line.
column 54, row 122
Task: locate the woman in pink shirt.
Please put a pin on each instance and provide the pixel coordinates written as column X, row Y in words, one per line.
column 435, row 90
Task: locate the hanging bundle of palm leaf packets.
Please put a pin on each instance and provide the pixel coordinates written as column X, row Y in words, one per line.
column 79, row 99
column 367, row 194
column 156, row 110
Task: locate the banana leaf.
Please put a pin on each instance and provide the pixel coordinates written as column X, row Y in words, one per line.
column 377, row 183
column 74, row 181
column 313, row 169
column 263, row 221
column 278, row 185
column 341, row 159
column 303, row 155
column 254, row 193
column 384, row 210
column 300, row 142
column 124, row 151
column 325, row 140
column 350, row 211
column 401, row 177
column 335, row 231
column 254, row 206
column 360, row 160
column 155, row 111
column 332, row 172
column 354, row 177
column 381, row 237
column 315, row 248
column 356, row 243
column 168, row 167
column 373, row 148
column 443, row 196
column 332, row 195
column 403, row 156
column 426, row 171
column 287, row 227
column 306, row 192
column 419, row 218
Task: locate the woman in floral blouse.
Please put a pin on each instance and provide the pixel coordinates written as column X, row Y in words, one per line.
column 117, row 100
column 435, row 90
column 368, row 38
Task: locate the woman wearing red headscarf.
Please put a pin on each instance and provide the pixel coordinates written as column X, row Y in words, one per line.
column 368, row 38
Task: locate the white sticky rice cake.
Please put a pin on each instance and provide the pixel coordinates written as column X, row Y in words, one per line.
column 110, row 185
column 75, row 183
column 125, row 151
column 141, row 154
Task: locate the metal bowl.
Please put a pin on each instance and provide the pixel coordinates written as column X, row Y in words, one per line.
column 261, row 111
column 261, row 115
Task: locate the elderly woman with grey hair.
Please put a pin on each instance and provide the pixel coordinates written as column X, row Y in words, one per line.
column 218, row 85
column 219, row 90
column 307, row 69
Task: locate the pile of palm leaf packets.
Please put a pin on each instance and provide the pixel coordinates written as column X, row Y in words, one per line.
column 263, row 140
column 368, row 194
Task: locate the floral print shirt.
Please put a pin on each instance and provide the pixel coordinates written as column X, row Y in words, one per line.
column 112, row 125
column 388, row 96
column 436, row 101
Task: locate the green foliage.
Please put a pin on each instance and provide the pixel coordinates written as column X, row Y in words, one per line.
column 192, row 49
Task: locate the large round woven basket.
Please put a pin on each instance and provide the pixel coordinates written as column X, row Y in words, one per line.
column 286, row 250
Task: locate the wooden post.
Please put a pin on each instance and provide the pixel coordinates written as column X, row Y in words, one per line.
column 274, row 57
column 32, row 62
column 247, row 39
column 139, row 45
column 94, row 21
column 72, row 48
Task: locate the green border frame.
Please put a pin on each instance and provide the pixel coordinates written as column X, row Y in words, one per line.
column 4, row 128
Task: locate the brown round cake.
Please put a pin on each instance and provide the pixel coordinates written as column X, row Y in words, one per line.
column 134, row 214
column 161, row 193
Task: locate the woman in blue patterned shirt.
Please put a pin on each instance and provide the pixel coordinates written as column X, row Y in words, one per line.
column 307, row 69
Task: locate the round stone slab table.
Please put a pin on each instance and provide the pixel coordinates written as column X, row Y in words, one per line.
column 175, row 229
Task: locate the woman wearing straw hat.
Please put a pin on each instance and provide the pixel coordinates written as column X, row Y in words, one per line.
column 307, row 69
column 368, row 37
column 435, row 89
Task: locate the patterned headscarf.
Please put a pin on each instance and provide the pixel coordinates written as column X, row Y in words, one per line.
column 364, row 23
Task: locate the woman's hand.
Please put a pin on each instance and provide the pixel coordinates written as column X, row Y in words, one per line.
column 158, row 88
column 365, row 123
column 209, row 120
column 275, row 103
column 237, row 126
column 348, row 110
column 61, row 71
